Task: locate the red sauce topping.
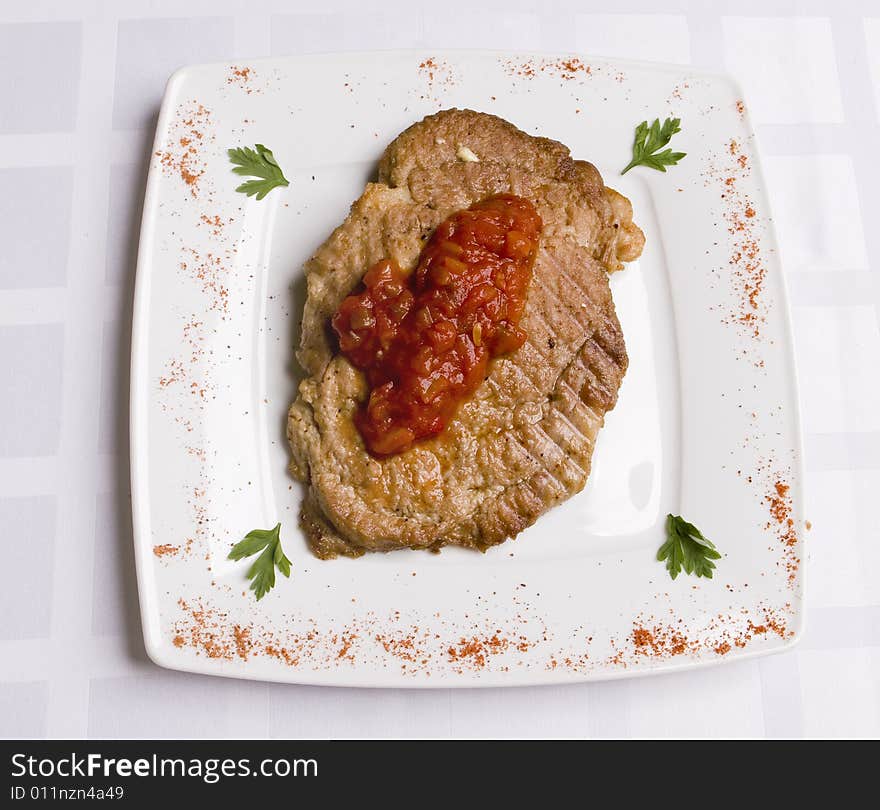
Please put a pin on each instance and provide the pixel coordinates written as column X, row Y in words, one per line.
column 424, row 338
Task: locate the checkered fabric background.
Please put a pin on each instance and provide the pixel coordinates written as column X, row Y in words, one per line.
column 80, row 85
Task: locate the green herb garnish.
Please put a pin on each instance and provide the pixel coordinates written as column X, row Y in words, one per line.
column 685, row 547
column 259, row 163
column 649, row 139
column 262, row 572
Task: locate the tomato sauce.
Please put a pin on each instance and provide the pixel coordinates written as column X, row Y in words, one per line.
column 424, row 338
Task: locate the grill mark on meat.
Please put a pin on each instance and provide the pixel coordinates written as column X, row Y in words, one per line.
column 539, row 338
column 530, row 361
column 524, row 384
column 577, row 282
column 523, row 443
column 579, row 293
column 551, row 452
column 569, row 440
column 564, row 434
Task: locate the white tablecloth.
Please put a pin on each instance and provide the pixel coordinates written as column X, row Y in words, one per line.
column 80, row 83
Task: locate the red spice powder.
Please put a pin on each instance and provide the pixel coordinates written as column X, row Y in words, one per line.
column 197, row 452
column 288, row 657
column 174, row 373
column 347, row 640
column 474, row 651
column 210, row 271
column 215, row 223
column 205, row 633
column 180, row 369
column 779, row 508
column 212, row 633
column 656, row 639
column 524, row 69
column 438, row 75
column 746, row 269
column 429, row 65
column 242, row 77
column 660, row 641
column 567, row 68
column 677, row 93
column 782, row 523
column 186, row 423
column 641, row 637
column 188, row 133
column 165, row 550
column 243, row 644
column 191, row 371
column 403, row 648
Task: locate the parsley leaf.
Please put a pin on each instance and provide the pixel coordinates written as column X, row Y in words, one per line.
column 649, row 139
column 262, row 572
column 259, row 163
column 685, row 547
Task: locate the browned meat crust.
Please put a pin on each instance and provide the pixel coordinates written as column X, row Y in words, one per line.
column 524, row 442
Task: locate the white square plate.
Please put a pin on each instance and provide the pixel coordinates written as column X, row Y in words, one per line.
column 706, row 426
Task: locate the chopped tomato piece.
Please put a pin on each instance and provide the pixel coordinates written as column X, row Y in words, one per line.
column 424, row 338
